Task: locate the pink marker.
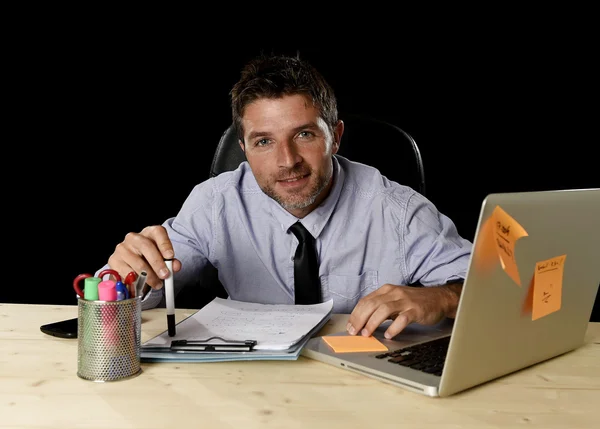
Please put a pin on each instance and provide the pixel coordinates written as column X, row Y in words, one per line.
column 107, row 290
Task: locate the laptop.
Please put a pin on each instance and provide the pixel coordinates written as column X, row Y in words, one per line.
column 519, row 305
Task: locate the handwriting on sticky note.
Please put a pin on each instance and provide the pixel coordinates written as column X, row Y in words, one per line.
column 357, row 343
column 506, row 233
column 547, row 286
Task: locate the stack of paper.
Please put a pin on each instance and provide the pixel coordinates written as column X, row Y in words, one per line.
column 280, row 331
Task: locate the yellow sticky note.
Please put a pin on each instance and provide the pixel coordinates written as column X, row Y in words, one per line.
column 506, row 232
column 547, row 286
column 351, row 343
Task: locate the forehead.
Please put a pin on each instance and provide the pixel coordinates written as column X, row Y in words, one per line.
column 274, row 114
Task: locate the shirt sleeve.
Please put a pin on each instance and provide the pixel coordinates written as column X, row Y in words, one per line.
column 434, row 252
column 152, row 299
column 191, row 234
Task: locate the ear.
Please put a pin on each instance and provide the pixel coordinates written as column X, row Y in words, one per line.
column 241, row 143
column 338, row 131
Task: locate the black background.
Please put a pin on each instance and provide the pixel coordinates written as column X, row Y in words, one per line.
column 114, row 135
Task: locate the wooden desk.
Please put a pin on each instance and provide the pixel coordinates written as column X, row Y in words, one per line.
column 39, row 388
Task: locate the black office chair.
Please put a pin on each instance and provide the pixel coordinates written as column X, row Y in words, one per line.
column 367, row 140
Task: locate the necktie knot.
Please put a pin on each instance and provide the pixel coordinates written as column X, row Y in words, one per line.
column 301, row 232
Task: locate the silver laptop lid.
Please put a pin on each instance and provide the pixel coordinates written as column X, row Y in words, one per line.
column 502, row 326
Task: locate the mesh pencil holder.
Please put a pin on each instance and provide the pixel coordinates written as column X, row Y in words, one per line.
column 108, row 336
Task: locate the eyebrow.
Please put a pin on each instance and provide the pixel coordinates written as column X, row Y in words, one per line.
column 308, row 125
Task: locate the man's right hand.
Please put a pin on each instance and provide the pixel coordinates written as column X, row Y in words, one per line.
column 145, row 251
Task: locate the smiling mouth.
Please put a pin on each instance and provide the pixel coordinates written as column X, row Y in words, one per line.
column 293, row 179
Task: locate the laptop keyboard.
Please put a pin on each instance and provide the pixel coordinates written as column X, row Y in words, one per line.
column 428, row 357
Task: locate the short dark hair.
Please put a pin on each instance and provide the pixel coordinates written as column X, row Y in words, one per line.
column 275, row 76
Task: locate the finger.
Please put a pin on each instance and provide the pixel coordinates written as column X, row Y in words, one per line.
column 129, row 255
column 158, row 234
column 156, row 250
column 357, row 318
column 152, row 259
column 142, row 265
column 152, row 279
column 117, row 263
column 362, row 312
column 176, row 265
column 364, row 308
column 386, row 309
column 380, row 315
column 400, row 322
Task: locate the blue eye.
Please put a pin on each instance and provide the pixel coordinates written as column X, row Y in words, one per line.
column 262, row 142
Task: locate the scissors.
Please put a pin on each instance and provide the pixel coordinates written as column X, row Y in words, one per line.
column 86, row 275
column 130, row 281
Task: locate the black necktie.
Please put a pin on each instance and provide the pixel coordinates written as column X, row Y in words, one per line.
column 307, row 285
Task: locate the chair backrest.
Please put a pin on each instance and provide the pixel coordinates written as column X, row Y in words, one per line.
column 367, row 140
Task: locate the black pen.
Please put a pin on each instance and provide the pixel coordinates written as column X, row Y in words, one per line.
column 170, row 298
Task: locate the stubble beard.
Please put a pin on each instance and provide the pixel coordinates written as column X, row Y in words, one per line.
column 297, row 201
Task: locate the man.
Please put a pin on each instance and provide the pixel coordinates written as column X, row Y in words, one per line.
column 374, row 238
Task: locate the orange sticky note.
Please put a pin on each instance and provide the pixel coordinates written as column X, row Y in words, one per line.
column 506, row 232
column 354, row 343
column 527, row 306
column 547, row 286
column 485, row 256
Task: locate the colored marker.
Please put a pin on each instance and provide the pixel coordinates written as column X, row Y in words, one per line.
column 90, row 288
column 122, row 291
column 107, row 290
column 170, row 298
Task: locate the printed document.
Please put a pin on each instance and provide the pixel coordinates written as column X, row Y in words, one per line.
column 273, row 326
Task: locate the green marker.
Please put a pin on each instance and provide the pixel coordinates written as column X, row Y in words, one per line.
column 90, row 288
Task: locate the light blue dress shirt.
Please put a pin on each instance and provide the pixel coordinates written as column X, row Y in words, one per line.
column 369, row 231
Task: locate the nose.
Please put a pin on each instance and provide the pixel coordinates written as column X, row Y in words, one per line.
column 287, row 154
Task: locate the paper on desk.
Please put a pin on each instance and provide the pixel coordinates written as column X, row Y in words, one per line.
column 150, row 354
column 273, row 326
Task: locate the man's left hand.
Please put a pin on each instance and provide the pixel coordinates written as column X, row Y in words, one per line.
column 405, row 305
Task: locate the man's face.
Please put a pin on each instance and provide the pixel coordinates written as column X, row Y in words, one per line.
column 289, row 149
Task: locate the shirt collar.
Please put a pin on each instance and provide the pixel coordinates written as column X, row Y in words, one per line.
column 316, row 220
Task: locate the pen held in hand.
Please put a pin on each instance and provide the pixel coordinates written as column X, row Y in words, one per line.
column 170, row 298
